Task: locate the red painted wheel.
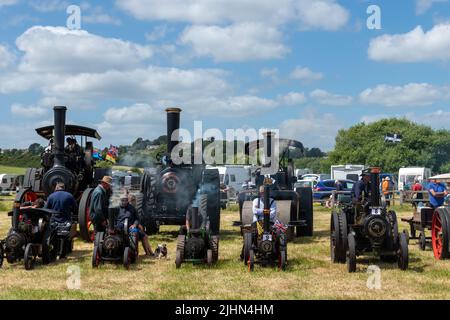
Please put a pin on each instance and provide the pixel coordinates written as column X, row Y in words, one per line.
column 84, row 221
column 439, row 234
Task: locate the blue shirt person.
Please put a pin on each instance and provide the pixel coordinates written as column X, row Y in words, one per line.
column 63, row 202
column 361, row 188
column 437, row 192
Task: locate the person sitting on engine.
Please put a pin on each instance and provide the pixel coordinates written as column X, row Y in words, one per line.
column 360, row 195
column 127, row 211
column 63, row 202
column 74, row 154
column 360, row 189
column 49, row 147
column 258, row 207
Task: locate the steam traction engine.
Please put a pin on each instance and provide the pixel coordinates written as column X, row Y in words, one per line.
column 266, row 243
column 294, row 207
column 167, row 195
column 75, row 168
column 367, row 227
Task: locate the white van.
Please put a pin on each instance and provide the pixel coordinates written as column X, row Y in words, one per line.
column 299, row 173
column 407, row 176
column 347, row 172
column 233, row 176
column 8, row 182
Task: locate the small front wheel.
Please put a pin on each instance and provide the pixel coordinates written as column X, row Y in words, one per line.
column 2, row 254
column 178, row 259
column 29, row 257
column 282, row 260
column 351, row 253
column 209, row 257
column 422, row 241
column 251, row 261
column 403, row 257
column 96, row 257
column 127, row 258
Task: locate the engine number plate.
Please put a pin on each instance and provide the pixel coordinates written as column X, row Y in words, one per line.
column 376, row 211
column 267, row 237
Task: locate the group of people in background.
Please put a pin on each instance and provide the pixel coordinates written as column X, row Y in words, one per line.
column 64, row 205
column 100, row 201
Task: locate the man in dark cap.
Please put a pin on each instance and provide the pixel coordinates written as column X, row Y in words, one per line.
column 360, row 189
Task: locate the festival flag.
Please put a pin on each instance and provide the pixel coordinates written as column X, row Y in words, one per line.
column 97, row 155
column 112, row 154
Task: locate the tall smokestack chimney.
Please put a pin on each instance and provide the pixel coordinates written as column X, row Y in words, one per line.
column 268, row 136
column 173, row 124
column 374, row 186
column 59, row 132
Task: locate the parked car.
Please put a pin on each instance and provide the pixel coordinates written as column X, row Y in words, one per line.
column 305, row 184
column 325, row 188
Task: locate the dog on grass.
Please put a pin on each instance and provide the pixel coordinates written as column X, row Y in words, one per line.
column 161, row 251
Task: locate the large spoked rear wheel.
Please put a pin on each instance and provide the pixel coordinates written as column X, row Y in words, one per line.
column 29, row 257
column 440, row 234
column 84, row 219
column 351, row 253
column 403, row 256
column 338, row 237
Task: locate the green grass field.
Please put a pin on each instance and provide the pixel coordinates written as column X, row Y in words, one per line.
column 11, row 170
column 310, row 274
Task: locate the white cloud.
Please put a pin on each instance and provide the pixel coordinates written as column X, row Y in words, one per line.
column 28, row 111
column 293, row 98
column 137, row 113
column 157, row 33
column 374, row 118
column 269, row 72
column 97, row 15
column 150, row 83
column 414, row 46
column 101, row 18
column 4, row 3
column 327, row 98
column 438, row 119
column 49, row 5
column 6, row 57
column 58, row 49
column 423, row 6
column 312, row 129
column 305, row 74
column 320, row 14
column 226, row 106
column 409, row 95
column 237, row 42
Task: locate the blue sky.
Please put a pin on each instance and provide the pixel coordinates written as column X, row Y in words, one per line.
column 306, row 67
